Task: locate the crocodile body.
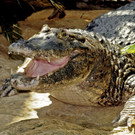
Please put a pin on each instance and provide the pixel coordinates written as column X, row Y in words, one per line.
column 77, row 67
column 118, row 26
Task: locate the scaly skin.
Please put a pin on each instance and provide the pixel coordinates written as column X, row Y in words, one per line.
column 83, row 52
column 117, row 25
column 91, row 71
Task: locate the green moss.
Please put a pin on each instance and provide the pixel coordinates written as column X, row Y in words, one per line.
column 128, row 49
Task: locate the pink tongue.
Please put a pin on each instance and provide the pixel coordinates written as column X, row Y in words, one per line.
column 42, row 67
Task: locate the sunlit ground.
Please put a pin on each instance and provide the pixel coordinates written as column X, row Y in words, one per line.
column 35, row 101
column 122, row 131
column 39, row 100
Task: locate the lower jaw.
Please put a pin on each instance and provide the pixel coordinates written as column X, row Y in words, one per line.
column 21, row 83
column 42, row 67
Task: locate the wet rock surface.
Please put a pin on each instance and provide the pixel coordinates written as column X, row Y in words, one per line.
column 37, row 113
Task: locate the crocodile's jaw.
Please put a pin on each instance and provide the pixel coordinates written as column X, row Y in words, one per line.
column 72, row 84
column 81, row 54
column 73, row 71
column 52, row 45
column 30, row 73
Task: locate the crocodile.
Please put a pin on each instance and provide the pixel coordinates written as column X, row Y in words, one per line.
column 77, row 67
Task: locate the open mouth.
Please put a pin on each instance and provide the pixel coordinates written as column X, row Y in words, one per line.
column 30, row 73
column 38, row 67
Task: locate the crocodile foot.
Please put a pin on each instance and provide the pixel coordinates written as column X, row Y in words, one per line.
column 131, row 123
column 127, row 115
column 6, row 89
column 122, row 119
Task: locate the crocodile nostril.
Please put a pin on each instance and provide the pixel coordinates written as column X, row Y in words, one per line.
column 13, row 82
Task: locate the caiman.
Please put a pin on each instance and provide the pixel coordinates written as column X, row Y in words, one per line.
column 76, row 67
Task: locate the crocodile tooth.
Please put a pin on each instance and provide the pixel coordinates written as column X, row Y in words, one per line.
column 26, row 62
column 48, row 59
column 37, row 77
column 24, row 65
column 49, row 74
column 32, row 81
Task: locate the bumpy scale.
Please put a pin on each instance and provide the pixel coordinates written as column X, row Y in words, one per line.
column 76, row 67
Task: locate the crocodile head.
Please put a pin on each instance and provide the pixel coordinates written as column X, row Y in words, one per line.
column 55, row 59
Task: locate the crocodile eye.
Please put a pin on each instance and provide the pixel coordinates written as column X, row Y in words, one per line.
column 47, row 37
column 81, row 39
column 77, row 37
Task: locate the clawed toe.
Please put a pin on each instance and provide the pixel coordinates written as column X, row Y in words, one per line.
column 120, row 120
column 128, row 119
column 6, row 89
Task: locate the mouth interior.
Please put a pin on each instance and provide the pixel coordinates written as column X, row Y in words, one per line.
column 38, row 67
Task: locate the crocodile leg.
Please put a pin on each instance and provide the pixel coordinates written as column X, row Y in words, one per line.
column 127, row 115
column 6, row 89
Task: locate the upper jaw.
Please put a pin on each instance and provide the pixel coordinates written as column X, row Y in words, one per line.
column 46, row 52
column 31, row 50
column 48, row 44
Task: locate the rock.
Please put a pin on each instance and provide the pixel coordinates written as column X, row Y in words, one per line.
column 37, row 113
column 48, row 126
